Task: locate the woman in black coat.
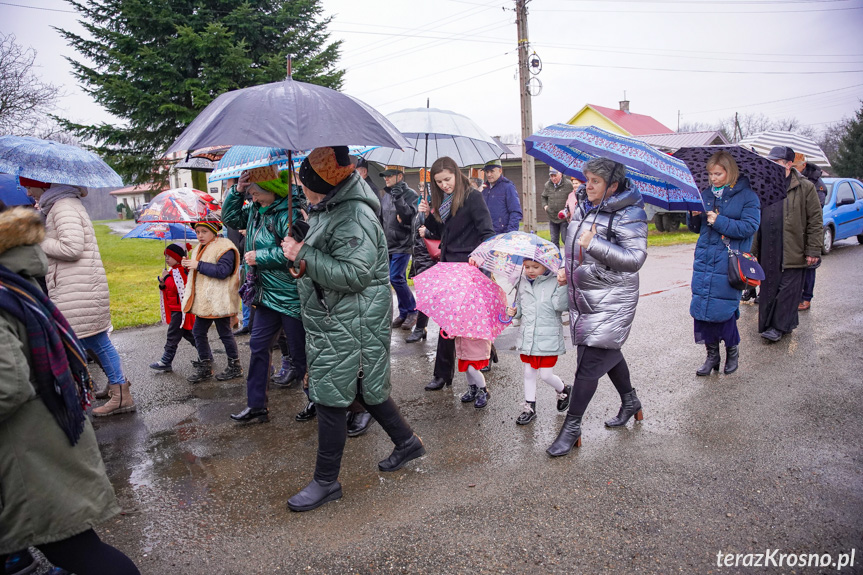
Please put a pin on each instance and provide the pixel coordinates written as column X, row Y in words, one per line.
column 459, row 216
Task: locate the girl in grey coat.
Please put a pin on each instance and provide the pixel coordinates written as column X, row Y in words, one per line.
column 540, row 340
column 606, row 245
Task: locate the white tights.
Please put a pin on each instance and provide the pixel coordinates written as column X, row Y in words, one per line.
column 545, row 374
column 475, row 377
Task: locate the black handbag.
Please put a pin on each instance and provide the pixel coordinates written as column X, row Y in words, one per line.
column 744, row 271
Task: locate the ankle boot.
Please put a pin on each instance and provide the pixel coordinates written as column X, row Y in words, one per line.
column 569, row 436
column 203, row 371
column 732, row 354
column 252, row 413
column 120, row 402
column 528, row 413
column 470, row 394
column 629, row 405
column 437, row 383
column 712, row 361
column 417, row 335
column 314, row 495
column 233, row 371
column 308, row 413
column 279, row 378
column 410, row 449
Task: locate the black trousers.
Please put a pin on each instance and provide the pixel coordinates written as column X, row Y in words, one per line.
column 444, row 361
column 422, row 321
column 176, row 333
column 86, row 554
column 782, row 310
column 223, row 326
column 333, row 433
column 593, row 363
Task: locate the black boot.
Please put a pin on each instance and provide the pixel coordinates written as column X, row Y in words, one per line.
column 203, row 371
column 233, row 371
column 308, row 413
column 315, row 494
column 569, row 436
column 410, row 449
column 417, row 335
column 250, row 413
column 732, row 354
column 437, row 383
column 359, row 424
column 712, row 361
column 528, row 413
column 629, row 405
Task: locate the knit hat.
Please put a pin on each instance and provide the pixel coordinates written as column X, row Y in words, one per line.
column 177, row 251
column 325, row 168
column 214, row 225
column 279, row 186
column 28, row 183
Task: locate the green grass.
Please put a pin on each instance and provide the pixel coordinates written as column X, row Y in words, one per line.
column 131, row 267
column 654, row 238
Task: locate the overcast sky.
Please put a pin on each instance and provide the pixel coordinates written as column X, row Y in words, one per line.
column 704, row 58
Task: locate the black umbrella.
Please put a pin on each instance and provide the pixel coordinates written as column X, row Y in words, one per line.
column 766, row 178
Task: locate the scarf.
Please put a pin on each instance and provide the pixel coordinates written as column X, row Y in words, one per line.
column 56, row 193
column 717, row 192
column 180, row 284
column 443, row 210
column 59, row 364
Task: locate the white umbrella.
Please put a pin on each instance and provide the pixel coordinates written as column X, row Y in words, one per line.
column 762, row 142
column 434, row 133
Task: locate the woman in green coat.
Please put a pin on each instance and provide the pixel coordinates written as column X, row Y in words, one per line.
column 53, row 486
column 277, row 304
column 347, row 313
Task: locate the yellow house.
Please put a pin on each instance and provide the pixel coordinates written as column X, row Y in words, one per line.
column 620, row 121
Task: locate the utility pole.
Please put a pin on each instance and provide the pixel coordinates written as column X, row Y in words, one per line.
column 528, row 185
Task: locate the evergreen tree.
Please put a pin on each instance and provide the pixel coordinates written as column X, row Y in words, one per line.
column 849, row 158
column 155, row 64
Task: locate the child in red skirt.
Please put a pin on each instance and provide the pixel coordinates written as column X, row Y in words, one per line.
column 540, row 339
column 473, row 355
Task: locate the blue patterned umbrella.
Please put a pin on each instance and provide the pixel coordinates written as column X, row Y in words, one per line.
column 55, row 163
column 661, row 179
column 11, row 193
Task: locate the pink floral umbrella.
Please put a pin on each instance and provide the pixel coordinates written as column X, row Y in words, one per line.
column 462, row 300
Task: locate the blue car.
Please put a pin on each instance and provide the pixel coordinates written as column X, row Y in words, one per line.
column 843, row 211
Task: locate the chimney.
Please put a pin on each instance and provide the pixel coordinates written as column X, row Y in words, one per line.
column 624, row 106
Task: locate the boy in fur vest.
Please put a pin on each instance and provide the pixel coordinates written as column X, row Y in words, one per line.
column 172, row 285
column 212, row 296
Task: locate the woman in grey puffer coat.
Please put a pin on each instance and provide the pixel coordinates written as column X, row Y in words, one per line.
column 606, row 245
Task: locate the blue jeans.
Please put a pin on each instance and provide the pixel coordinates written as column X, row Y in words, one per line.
column 100, row 344
column 808, row 284
column 247, row 310
column 266, row 329
column 398, row 269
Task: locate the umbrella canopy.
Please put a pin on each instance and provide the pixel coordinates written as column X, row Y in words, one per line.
column 160, row 231
column 291, row 115
column 766, row 178
column 764, row 141
column 211, row 153
column 462, row 300
column 662, row 180
column 11, row 193
column 241, row 158
column 55, row 163
column 504, row 254
column 177, row 206
column 448, row 134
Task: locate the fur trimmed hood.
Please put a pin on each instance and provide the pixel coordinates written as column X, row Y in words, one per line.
column 20, row 227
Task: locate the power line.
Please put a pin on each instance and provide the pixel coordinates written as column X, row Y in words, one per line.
column 770, row 72
column 774, row 101
column 705, row 12
column 436, row 88
column 38, row 8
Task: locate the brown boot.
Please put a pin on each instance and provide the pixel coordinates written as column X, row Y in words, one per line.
column 120, row 402
column 103, row 393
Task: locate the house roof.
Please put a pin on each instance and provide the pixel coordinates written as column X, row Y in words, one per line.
column 634, row 124
column 141, row 189
column 674, row 141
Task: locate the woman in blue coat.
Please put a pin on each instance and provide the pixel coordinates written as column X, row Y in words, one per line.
column 732, row 217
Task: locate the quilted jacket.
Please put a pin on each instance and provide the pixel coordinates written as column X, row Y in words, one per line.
column 539, row 306
column 276, row 288
column 713, row 298
column 603, row 279
column 345, row 296
column 76, row 277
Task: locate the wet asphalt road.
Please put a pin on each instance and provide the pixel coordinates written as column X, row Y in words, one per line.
column 767, row 458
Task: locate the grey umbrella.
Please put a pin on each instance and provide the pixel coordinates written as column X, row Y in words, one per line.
column 291, row 115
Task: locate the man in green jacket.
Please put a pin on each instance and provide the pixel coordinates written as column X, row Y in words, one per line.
column 347, row 313
column 554, row 196
column 801, row 246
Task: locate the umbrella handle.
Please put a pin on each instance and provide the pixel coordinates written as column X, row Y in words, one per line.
column 500, row 318
column 445, row 335
column 298, row 274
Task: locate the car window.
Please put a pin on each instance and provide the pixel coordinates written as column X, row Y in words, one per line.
column 843, row 192
column 858, row 190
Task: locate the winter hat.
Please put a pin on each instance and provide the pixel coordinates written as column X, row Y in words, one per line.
column 213, row 225
column 28, row 183
column 279, row 186
column 781, row 153
column 177, row 251
column 325, row 168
